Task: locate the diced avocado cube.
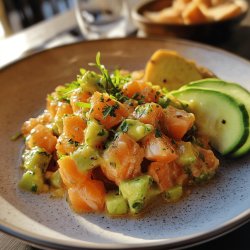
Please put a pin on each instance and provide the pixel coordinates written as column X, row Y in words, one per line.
column 58, row 124
column 187, row 154
column 86, row 158
column 116, row 204
column 173, row 194
column 90, row 82
column 95, row 133
column 55, row 179
column 135, row 129
column 136, row 191
column 164, row 101
column 54, row 128
column 32, row 181
column 36, row 157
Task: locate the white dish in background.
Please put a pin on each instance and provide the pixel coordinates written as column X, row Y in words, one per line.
column 208, row 212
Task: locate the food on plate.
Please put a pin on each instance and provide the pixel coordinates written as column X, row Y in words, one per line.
column 218, row 123
column 168, row 69
column 114, row 143
column 197, row 11
column 240, row 95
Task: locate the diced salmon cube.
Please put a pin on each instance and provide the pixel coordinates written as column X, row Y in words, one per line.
column 43, row 137
column 122, row 160
column 159, row 147
column 88, row 197
column 70, row 174
column 141, row 90
column 107, row 110
column 167, row 175
column 73, row 127
column 176, row 122
column 150, row 113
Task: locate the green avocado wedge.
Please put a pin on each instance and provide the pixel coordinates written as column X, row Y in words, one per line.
column 236, row 91
column 218, row 116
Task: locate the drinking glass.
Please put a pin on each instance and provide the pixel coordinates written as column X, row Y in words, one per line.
column 103, row 18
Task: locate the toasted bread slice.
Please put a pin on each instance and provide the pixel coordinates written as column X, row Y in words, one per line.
column 168, row 69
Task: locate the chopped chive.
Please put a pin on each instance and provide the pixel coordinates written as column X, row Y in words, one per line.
column 158, row 133
column 124, row 127
column 16, row 136
column 110, row 110
column 83, row 105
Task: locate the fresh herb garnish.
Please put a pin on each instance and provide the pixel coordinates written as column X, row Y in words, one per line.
column 201, row 156
column 64, row 92
column 119, row 79
column 50, row 97
column 111, row 83
column 75, row 143
column 158, row 133
column 101, row 132
column 101, row 98
column 83, row 105
column 16, row 136
column 107, row 83
column 82, row 71
column 164, row 101
column 34, row 188
column 110, row 110
column 135, row 96
column 142, row 110
column 120, row 97
column 137, row 205
column 124, row 127
column 42, row 153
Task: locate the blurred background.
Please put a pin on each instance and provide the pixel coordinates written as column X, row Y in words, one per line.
column 28, row 26
column 17, row 15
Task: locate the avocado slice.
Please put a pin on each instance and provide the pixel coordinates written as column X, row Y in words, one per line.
column 234, row 90
column 219, row 116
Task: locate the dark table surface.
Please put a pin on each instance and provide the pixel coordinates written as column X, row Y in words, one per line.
column 237, row 42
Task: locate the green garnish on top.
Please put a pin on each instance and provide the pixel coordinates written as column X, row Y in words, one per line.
column 64, row 92
column 83, row 105
column 106, row 82
column 110, row 110
column 158, row 133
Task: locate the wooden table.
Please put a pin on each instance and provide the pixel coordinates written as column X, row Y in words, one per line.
column 38, row 35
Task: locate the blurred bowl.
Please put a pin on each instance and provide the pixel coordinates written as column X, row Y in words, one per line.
column 203, row 31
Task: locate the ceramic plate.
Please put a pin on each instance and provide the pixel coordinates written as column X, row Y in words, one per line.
column 206, row 213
